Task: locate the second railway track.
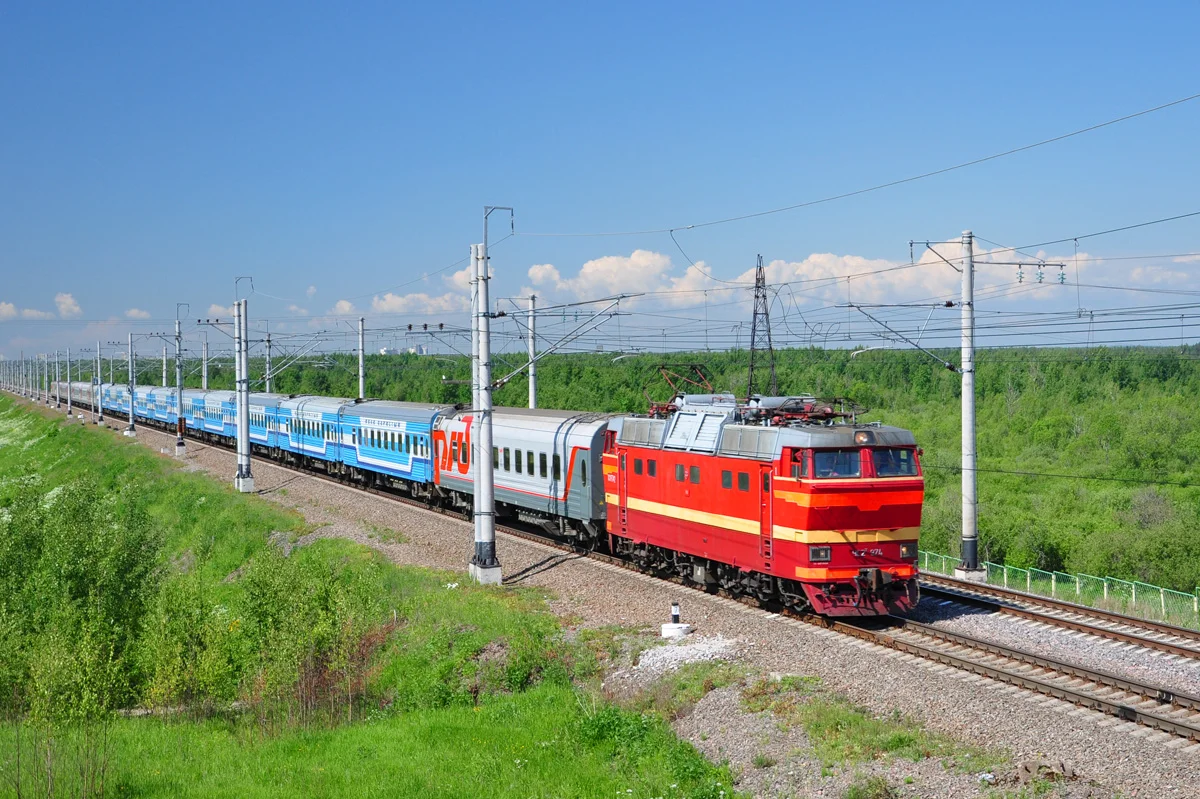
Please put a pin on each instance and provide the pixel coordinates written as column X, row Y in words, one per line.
column 1158, row 636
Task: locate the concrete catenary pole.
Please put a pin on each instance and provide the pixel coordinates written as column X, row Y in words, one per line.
column 245, row 480
column 267, row 367
column 164, row 377
column 362, row 354
column 68, row 382
column 477, row 497
column 131, row 430
column 532, row 350
column 57, row 382
column 485, row 567
column 100, row 384
column 180, row 417
column 237, row 388
column 204, row 364
column 970, row 509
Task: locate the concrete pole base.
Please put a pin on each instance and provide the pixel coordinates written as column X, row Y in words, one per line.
column 971, row 575
column 101, row 423
column 676, row 630
column 129, row 433
column 244, row 485
column 485, row 575
column 180, row 450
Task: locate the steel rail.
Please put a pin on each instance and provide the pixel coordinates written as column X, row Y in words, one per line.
column 969, row 594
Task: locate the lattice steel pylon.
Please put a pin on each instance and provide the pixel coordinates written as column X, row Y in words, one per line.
column 760, row 331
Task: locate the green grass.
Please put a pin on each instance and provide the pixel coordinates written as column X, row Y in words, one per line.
column 675, row 694
column 541, row 743
column 351, row 676
column 841, row 733
column 871, row 788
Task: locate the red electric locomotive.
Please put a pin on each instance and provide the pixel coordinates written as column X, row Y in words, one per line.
column 787, row 499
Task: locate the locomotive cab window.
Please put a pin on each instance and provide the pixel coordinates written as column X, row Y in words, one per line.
column 743, row 481
column 726, row 478
column 652, row 467
column 694, row 474
column 892, row 462
column 680, row 473
column 799, row 463
column 637, row 464
column 832, row 463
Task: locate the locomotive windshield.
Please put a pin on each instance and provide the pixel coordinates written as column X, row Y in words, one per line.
column 837, row 463
column 894, row 462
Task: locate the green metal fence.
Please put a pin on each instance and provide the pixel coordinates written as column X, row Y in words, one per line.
column 1132, row 598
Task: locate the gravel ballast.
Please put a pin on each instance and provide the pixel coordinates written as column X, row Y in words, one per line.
column 972, row 709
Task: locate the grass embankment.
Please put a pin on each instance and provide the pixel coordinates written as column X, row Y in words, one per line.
column 127, row 583
column 1126, row 417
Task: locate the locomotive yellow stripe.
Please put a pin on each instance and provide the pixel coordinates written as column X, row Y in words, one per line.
column 873, row 500
column 845, row 536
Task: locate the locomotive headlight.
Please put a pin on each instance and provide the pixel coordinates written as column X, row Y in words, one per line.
column 908, row 551
column 819, row 554
column 864, row 437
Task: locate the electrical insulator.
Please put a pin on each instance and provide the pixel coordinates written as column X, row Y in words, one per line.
column 1041, row 273
column 1020, row 274
column 1062, row 277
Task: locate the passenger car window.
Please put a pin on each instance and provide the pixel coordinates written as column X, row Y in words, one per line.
column 836, row 463
column 557, row 466
column 506, row 459
column 583, row 471
column 892, row 462
column 529, row 462
column 495, row 457
column 542, row 464
column 518, row 461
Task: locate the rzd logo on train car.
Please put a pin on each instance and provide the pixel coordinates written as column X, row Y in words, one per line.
column 452, row 450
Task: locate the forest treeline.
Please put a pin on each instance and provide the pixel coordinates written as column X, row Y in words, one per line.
column 1122, row 425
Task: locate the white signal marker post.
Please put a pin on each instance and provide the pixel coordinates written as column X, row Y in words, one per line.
column 970, row 507
column 484, row 568
column 57, row 382
column 532, row 351
column 131, row 430
column 164, row 379
column 267, row 367
column 204, row 364
column 244, row 480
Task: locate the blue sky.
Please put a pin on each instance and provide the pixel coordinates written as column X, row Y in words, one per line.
column 151, row 152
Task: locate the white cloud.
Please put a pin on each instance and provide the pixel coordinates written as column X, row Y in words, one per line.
column 1157, row 274
column 67, row 307
column 420, row 303
column 137, row 313
column 217, row 311
column 311, row 291
column 461, row 279
column 296, row 309
column 7, row 310
column 640, row 271
column 33, row 313
column 342, row 307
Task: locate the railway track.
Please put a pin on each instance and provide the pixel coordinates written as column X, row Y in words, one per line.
column 1158, row 636
column 1128, row 700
